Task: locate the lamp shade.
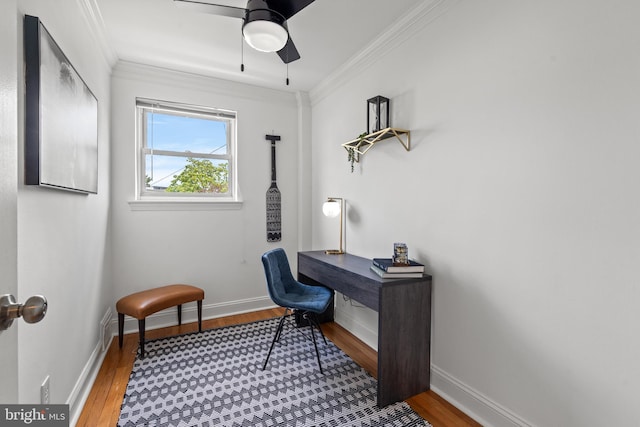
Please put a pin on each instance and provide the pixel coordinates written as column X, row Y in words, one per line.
column 265, row 30
column 331, row 208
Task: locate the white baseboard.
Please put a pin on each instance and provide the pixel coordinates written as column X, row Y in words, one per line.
column 82, row 388
column 472, row 402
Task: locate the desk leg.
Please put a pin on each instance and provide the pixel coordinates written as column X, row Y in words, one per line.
column 404, row 341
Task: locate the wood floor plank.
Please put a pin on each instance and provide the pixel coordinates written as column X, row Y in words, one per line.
column 102, row 407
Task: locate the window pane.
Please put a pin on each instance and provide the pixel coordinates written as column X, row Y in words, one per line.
column 185, row 151
column 186, row 134
column 173, row 174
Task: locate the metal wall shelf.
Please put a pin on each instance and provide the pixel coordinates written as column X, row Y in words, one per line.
column 363, row 144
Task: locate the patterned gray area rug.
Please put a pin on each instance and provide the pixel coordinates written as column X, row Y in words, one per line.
column 215, row 378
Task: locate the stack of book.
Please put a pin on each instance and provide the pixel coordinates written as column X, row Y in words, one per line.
column 387, row 269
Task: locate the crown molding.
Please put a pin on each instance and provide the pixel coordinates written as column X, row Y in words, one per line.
column 164, row 76
column 93, row 18
column 396, row 34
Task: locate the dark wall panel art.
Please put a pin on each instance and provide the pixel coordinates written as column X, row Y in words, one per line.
column 61, row 134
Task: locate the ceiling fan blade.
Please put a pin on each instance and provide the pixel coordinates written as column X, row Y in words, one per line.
column 289, row 53
column 288, row 8
column 214, row 9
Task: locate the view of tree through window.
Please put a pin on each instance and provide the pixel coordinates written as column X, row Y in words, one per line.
column 201, row 176
column 185, row 150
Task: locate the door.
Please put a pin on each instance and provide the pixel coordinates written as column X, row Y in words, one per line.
column 9, row 190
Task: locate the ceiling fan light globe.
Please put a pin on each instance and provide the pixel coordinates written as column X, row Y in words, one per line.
column 265, row 36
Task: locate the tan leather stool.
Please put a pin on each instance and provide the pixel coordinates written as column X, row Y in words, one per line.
column 142, row 304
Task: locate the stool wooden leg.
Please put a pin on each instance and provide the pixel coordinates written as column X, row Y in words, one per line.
column 199, row 315
column 120, row 328
column 141, row 333
column 179, row 314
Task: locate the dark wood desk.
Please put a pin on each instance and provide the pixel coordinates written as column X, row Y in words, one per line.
column 404, row 318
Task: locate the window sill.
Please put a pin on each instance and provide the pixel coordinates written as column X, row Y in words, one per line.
column 184, row 205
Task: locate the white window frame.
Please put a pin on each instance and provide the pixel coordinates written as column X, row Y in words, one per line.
column 158, row 200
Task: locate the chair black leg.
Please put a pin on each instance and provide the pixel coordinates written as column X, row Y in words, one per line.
column 313, row 320
column 313, row 324
column 199, row 315
column 276, row 337
column 315, row 344
column 279, row 331
column 179, row 314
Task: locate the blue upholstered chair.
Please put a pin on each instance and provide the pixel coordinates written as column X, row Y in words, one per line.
column 304, row 301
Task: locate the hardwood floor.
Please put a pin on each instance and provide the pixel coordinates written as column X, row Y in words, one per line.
column 102, row 407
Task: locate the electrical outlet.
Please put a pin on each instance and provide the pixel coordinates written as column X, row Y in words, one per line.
column 44, row 392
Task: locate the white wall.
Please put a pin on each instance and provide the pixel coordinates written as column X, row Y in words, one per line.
column 520, row 193
column 63, row 237
column 218, row 250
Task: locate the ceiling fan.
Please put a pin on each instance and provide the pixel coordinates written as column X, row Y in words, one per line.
column 265, row 23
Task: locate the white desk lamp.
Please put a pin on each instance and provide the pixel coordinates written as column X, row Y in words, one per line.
column 333, row 207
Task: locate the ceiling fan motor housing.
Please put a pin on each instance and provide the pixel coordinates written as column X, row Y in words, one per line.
column 264, row 29
column 264, row 25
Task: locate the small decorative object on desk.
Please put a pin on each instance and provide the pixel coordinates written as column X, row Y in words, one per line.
column 400, row 254
column 399, row 266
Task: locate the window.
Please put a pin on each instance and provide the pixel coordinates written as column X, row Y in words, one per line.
column 185, row 152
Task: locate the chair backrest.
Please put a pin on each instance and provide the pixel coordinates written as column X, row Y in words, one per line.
column 278, row 275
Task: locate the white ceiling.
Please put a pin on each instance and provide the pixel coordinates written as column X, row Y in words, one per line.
column 327, row 33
